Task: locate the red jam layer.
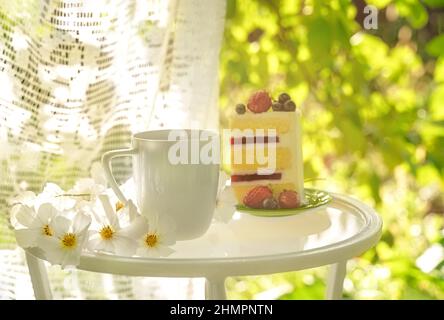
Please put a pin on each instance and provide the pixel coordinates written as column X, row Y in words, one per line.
column 243, row 140
column 254, row 177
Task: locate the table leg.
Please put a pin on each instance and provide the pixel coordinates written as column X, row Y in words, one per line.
column 215, row 289
column 335, row 280
column 39, row 278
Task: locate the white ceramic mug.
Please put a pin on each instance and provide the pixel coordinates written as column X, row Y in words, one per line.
column 184, row 192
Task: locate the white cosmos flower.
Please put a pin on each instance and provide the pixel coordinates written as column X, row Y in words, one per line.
column 126, row 213
column 55, row 195
column 108, row 235
column 31, row 227
column 80, row 196
column 88, row 189
column 70, row 236
column 51, row 193
column 225, row 202
column 155, row 237
column 24, row 198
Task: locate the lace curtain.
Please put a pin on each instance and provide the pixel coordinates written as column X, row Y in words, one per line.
column 77, row 78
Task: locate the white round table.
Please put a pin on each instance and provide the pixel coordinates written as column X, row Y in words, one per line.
column 249, row 245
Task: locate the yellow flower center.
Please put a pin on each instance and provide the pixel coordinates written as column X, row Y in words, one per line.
column 47, row 230
column 107, row 233
column 151, row 240
column 119, row 205
column 69, row 240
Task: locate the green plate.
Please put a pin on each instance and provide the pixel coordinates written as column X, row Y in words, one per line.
column 315, row 199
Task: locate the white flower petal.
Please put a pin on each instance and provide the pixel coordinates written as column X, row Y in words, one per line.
column 52, row 249
column 53, row 194
column 128, row 188
column 52, row 226
column 137, row 228
column 109, row 246
column 158, row 251
column 26, row 238
column 83, row 185
column 83, row 206
column 26, row 198
column 101, row 245
column 57, row 254
column 52, row 189
column 124, row 246
column 61, row 225
column 99, row 218
column 23, row 214
column 167, row 238
column 152, row 252
column 63, row 203
column 81, row 223
column 164, row 251
column 82, row 238
column 153, row 222
column 141, row 241
column 71, row 257
column 46, row 212
column 160, row 224
column 142, row 252
column 133, row 212
column 109, row 210
column 147, row 252
column 95, row 243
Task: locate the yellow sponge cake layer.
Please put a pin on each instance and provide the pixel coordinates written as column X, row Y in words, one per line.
column 283, row 159
column 279, row 121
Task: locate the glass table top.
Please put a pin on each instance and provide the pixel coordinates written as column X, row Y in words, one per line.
column 250, row 244
column 249, row 236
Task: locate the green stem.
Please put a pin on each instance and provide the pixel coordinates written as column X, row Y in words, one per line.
column 74, row 195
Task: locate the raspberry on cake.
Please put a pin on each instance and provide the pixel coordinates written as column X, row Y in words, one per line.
column 289, row 199
column 256, row 196
column 259, row 102
column 271, row 131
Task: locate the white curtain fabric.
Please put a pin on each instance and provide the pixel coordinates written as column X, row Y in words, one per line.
column 78, row 78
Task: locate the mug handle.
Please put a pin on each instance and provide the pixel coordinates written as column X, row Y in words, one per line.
column 106, row 163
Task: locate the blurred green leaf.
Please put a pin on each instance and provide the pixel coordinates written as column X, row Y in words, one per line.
column 231, row 9
column 436, row 105
column 439, row 70
column 379, row 3
column 415, row 294
column 436, row 46
column 413, row 11
column 319, row 37
column 434, row 3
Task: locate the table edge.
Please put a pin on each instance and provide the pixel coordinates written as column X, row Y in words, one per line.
column 238, row 266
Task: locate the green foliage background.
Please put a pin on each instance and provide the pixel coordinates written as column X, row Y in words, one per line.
column 373, row 107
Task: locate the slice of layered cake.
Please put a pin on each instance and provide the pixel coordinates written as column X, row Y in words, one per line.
column 266, row 153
